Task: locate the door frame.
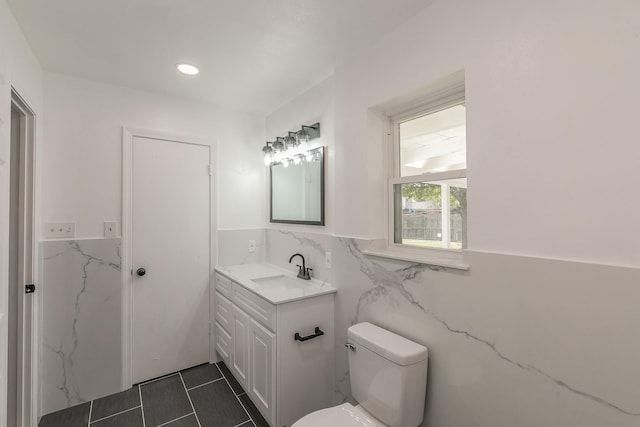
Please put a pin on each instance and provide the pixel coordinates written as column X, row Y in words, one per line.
column 128, row 135
column 27, row 335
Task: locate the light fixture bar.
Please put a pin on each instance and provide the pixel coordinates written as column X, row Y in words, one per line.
column 292, row 148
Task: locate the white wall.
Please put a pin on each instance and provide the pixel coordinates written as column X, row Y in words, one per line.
column 313, row 106
column 83, row 156
column 517, row 340
column 18, row 69
column 551, row 89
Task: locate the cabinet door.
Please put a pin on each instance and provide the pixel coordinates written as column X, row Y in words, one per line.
column 240, row 346
column 223, row 344
column 262, row 359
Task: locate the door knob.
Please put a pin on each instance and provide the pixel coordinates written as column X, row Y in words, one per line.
column 141, row 272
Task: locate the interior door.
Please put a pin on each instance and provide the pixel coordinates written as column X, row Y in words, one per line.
column 20, row 399
column 170, row 225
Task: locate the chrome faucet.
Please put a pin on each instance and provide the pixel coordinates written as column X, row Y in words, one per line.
column 303, row 271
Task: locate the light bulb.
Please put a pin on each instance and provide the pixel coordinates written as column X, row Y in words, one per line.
column 187, row 69
column 303, row 136
column 308, row 157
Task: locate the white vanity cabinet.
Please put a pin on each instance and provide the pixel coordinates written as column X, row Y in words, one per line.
column 284, row 377
column 240, row 346
column 262, row 355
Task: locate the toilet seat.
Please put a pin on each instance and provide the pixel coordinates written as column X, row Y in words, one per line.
column 345, row 415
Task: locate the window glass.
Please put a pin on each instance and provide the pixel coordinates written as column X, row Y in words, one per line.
column 435, row 142
column 431, row 214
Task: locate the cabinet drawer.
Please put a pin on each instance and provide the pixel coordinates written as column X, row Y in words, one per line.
column 223, row 311
column 223, row 285
column 223, row 343
column 262, row 311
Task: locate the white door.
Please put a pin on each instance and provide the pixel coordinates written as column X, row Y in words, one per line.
column 170, row 232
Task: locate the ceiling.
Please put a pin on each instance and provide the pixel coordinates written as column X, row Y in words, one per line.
column 253, row 55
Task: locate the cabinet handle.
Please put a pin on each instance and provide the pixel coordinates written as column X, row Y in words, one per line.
column 317, row 333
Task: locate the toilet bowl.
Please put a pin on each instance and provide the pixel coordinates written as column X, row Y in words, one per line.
column 345, row 415
column 388, row 376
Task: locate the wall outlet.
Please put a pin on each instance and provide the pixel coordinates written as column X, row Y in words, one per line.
column 58, row 230
column 111, row 229
column 252, row 245
column 327, row 259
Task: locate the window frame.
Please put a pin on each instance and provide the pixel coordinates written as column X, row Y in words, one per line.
column 437, row 256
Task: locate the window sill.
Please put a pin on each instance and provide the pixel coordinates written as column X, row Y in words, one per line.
column 438, row 257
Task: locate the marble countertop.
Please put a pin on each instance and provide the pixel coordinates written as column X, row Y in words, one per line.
column 245, row 274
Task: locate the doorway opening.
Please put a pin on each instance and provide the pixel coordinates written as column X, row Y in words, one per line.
column 21, row 391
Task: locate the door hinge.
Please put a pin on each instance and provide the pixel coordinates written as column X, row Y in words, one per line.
column 210, row 169
column 30, row 288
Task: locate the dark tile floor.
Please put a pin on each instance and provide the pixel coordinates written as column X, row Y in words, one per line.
column 202, row 396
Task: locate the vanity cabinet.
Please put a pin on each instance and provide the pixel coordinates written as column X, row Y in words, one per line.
column 240, row 346
column 285, row 378
column 262, row 355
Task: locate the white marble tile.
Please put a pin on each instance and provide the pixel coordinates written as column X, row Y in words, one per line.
column 233, row 246
column 82, row 333
column 513, row 342
column 281, row 244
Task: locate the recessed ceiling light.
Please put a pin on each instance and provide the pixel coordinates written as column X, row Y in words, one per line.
column 187, row 69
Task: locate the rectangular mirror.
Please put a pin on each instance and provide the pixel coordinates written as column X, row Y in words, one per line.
column 297, row 190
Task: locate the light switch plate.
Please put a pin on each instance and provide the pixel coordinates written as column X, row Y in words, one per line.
column 252, row 245
column 327, row 259
column 111, row 229
column 59, row 230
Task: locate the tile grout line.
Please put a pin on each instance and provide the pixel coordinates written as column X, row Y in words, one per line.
column 117, row 413
column 144, row 423
column 189, row 397
column 157, row 379
column 229, row 384
column 207, row 383
column 90, row 411
column 237, row 396
column 179, row 418
column 241, row 424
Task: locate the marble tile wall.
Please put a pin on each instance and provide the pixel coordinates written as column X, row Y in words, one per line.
column 515, row 341
column 282, row 244
column 233, row 246
column 82, row 318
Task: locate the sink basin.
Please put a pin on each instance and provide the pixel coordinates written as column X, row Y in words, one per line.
column 281, row 282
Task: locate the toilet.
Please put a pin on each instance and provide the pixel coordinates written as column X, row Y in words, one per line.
column 388, row 380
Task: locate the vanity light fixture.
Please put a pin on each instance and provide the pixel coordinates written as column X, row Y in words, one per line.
column 291, row 148
column 188, row 69
column 268, row 153
column 307, row 133
column 290, row 141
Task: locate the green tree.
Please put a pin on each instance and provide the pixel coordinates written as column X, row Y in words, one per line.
column 422, row 191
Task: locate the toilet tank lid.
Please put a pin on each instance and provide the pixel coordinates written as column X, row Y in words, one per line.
column 387, row 344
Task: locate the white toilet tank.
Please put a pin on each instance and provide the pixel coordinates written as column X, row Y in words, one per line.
column 388, row 375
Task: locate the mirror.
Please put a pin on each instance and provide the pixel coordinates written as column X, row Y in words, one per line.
column 297, row 191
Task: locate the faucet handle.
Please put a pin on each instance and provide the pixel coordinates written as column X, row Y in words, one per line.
column 303, row 272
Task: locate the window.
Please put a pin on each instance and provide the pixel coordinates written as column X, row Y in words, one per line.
column 428, row 190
